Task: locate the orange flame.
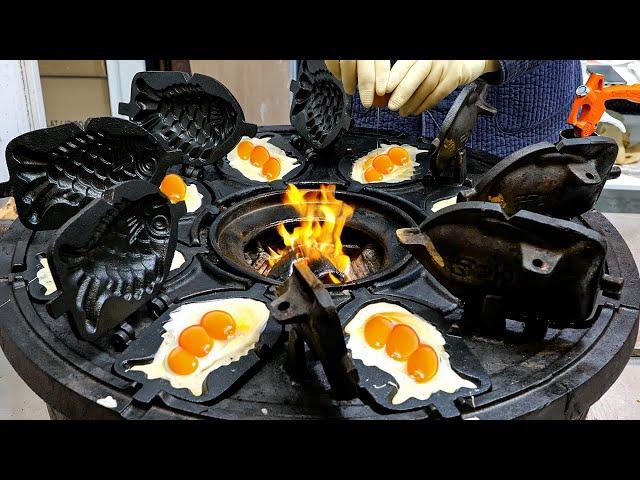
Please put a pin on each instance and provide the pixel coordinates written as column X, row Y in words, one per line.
column 322, row 219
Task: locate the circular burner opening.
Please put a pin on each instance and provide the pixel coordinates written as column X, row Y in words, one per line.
column 242, row 233
column 366, row 256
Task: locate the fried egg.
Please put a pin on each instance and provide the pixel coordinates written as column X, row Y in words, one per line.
column 203, row 336
column 177, row 190
column 407, row 347
column 389, row 163
column 45, row 279
column 260, row 161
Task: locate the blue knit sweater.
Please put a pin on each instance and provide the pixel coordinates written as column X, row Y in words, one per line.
column 533, row 99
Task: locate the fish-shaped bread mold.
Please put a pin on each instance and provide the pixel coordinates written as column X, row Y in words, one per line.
column 562, row 180
column 527, row 266
column 320, row 111
column 112, row 257
column 195, row 115
column 55, row 172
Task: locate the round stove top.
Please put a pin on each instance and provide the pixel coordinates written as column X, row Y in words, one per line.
column 558, row 376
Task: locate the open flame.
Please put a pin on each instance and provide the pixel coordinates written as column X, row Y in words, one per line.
column 318, row 235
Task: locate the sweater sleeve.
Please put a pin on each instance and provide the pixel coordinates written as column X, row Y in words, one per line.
column 512, row 69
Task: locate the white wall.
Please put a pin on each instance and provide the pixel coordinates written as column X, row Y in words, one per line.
column 21, row 105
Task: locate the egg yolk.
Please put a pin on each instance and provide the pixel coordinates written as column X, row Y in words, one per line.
column 381, row 101
column 383, row 164
column 196, row 341
column 182, row 362
column 173, row 187
column 398, row 155
column 402, row 342
column 422, row 365
column 245, row 148
column 372, row 175
column 259, row 156
column 271, row 168
column 377, row 330
column 218, row 324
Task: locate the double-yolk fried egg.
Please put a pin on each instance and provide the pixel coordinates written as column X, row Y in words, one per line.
column 407, row 347
column 389, row 163
column 260, row 161
column 203, row 336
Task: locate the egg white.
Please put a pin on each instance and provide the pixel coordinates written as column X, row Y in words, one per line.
column 177, row 261
column 445, row 379
column 255, row 173
column 400, row 173
column 192, row 198
column 251, row 319
column 445, row 202
column 45, row 278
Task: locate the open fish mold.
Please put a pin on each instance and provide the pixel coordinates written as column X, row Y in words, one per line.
column 320, row 110
column 56, row 171
column 193, row 114
column 112, row 257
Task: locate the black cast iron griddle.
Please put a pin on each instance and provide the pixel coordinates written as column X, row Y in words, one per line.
column 558, row 375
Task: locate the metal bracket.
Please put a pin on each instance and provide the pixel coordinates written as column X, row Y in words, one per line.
column 448, row 150
column 304, row 303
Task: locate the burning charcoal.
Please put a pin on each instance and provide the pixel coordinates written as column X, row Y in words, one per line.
column 261, row 264
column 284, row 267
column 367, row 263
column 323, row 269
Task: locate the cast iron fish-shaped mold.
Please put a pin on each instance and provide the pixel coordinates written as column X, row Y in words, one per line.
column 320, row 108
column 561, row 180
column 218, row 381
column 113, row 256
column 195, row 115
column 378, row 387
column 530, row 265
column 56, row 171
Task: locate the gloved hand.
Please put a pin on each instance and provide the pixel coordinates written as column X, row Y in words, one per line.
column 418, row 85
column 370, row 75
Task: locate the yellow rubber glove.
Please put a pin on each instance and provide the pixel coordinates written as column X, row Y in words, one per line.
column 418, row 85
column 370, row 75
